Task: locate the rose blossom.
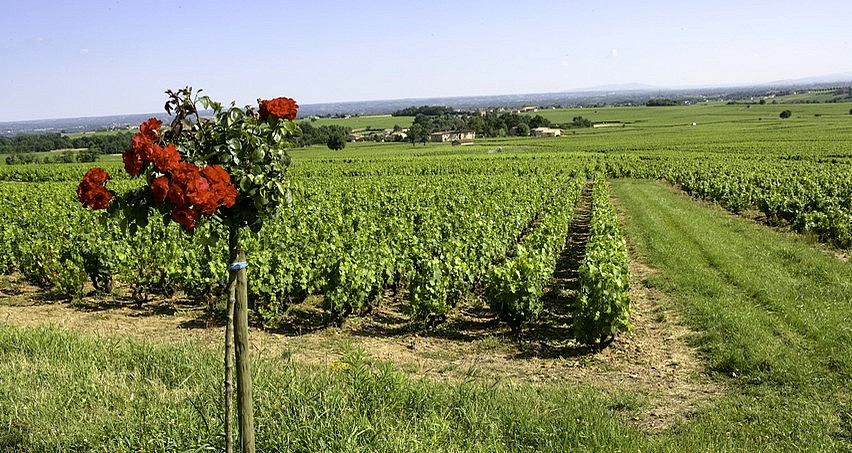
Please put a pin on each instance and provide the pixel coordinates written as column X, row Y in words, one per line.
column 91, row 191
column 279, row 108
column 186, row 217
column 166, row 158
column 160, row 188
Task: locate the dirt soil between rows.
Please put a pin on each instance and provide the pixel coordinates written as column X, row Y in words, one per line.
column 654, row 362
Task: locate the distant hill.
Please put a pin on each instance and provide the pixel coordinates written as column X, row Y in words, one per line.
column 71, row 125
column 620, row 94
column 844, row 78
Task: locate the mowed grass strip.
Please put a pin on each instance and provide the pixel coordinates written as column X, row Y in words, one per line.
column 772, row 313
column 65, row 391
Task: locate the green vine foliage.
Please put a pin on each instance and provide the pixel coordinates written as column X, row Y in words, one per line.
column 515, row 286
column 603, row 302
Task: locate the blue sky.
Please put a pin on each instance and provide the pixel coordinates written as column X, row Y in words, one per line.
column 87, row 58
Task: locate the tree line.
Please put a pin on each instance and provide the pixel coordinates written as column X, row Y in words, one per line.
column 65, row 157
column 37, row 143
column 332, row 135
column 490, row 124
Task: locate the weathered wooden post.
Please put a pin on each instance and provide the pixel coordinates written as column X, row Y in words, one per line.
column 229, row 352
column 238, row 274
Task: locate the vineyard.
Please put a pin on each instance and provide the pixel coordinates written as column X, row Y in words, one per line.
column 438, row 232
column 430, row 231
column 435, row 229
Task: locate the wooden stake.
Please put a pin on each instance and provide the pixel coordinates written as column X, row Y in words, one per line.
column 229, row 353
column 245, row 411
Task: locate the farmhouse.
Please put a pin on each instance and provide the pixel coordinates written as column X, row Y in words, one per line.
column 451, row 136
column 546, row 132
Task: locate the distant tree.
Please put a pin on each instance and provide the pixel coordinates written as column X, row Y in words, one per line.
column 66, row 157
column 663, row 102
column 539, row 121
column 476, row 124
column 762, row 101
column 430, row 110
column 579, row 121
column 336, row 142
column 522, row 130
column 786, row 114
column 850, row 111
column 417, row 133
column 88, row 155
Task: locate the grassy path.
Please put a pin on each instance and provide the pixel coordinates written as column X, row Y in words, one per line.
column 774, row 316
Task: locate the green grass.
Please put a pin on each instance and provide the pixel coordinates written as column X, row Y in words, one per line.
column 66, row 392
column 43, row 154
column 653, row 131
column 771, row 312
column 707, row 113
column 101, row 133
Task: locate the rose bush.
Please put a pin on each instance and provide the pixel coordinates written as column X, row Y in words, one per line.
column 230, row 167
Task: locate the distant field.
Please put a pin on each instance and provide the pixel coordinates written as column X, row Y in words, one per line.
column 44, row 154
column 808, row 96
column 99, row 133
column 702, row 114
column 364, row 122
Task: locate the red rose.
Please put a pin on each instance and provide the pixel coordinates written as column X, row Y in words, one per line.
column 99, row 197
column 96, row 176
column 278, row 108
column 225, row 193
column 176, row 196
column 160, row 188
column 209, row 205
column 132, row 162
column 151, row 127
column 228, row 196
column 186, row 217
column 188, row 178
column 216, row 175
column 91, row 191
column 166, row 159
column 185, row 171
column 198, row 190
column 144, row 146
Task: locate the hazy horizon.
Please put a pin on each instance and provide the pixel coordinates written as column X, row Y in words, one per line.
column 86, row 59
